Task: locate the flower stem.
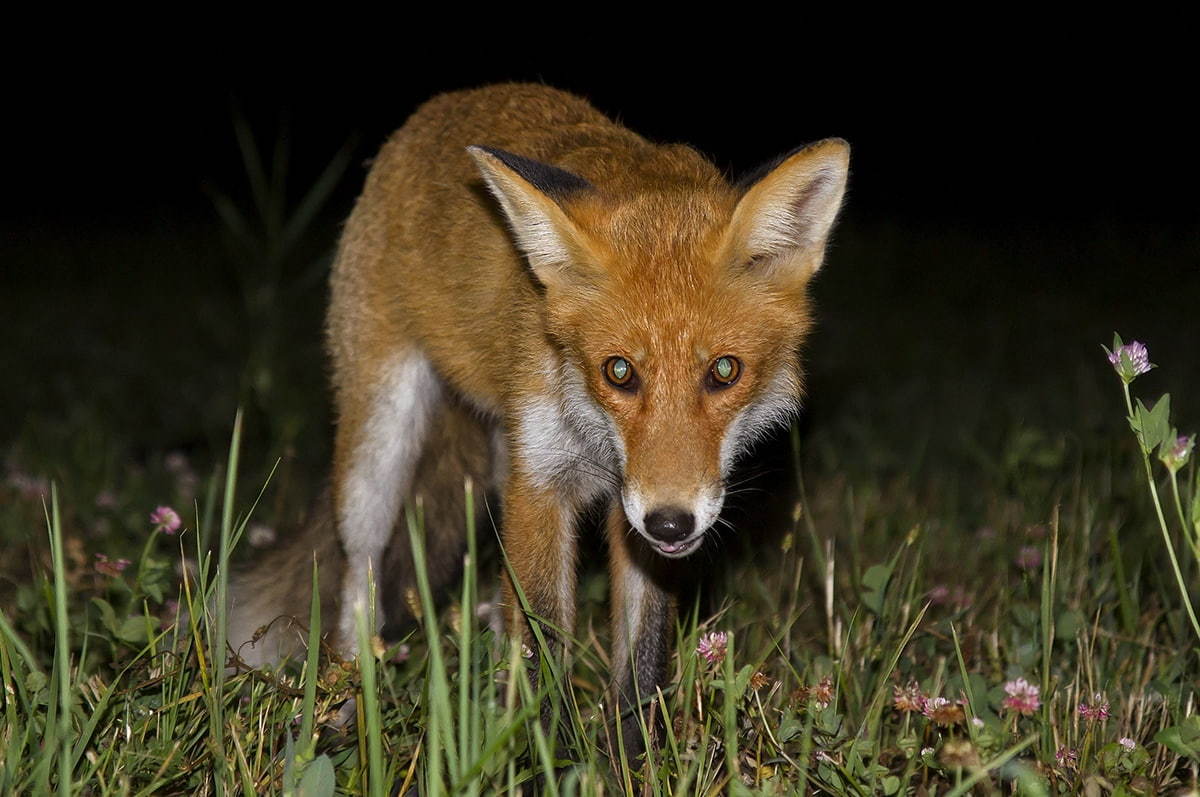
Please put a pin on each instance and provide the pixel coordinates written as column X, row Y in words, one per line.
column 1182, row 519
column 1162, row 521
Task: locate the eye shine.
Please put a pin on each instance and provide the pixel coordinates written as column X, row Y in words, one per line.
column 450, row 316
column 619, row 372
column 724, row 371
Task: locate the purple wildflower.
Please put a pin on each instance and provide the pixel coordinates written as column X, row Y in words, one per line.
column 712, row 646
column 908, row 698
column 1130, row 360
column 942, row 711
column 1023, row 697
column 110, row 567
column 1067, row 757
column 1177, row 455
column 166, row 520
column 1098, row 710
column 822, row 693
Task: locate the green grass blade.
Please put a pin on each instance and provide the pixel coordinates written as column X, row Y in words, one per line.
column 312, row 671
column 62, row 651
column 370, row 695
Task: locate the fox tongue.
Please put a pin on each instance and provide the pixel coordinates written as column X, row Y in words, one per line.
column 673, row 547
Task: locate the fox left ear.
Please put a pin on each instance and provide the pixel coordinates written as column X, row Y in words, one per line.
column 782, row 221
column 532, row 195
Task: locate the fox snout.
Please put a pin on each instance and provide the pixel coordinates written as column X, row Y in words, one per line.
column 674, row 529
column 670, row 525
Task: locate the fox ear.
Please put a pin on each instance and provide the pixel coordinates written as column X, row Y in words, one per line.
column 531, row 194
column 783, row 219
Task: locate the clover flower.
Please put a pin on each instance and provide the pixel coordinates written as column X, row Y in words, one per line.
column 1067, row 757
column 166, row 520
column 1129, row 360
column 1023, row 697
column 908, row 698
column 1098, row 710
column 822, row 693
column 1127, row 743
column 712, row 646
column 942, row 711
column 110, row 567
column 959, row 753
column 759, row 680
column 1177, row 455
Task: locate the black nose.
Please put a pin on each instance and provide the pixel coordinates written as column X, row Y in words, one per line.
column 670, row 525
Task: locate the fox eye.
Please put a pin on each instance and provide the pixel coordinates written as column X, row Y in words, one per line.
column 724, row 372
column 619, row 373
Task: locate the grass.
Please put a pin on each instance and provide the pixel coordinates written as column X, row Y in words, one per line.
column 869, row 590
column 956, row 512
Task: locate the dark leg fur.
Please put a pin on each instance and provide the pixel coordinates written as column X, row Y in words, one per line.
column 644, row 587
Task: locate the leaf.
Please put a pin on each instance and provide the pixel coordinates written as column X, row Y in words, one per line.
column 108, row 615
column 35, row 681
column 318, row 779
column 875, row 582
column 741, row 681
column 891, row 784
column 1182, row 740
column 1155, row 424
column 133, row 629
column 789, row 727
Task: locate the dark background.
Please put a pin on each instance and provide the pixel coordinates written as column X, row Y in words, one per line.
column 1005, row 215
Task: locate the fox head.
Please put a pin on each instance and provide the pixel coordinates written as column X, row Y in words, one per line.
column 676, row 303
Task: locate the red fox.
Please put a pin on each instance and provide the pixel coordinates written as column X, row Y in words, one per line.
column 622, row 321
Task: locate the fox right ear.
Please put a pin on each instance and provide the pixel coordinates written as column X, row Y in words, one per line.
column 530, row 193
column 782, row 221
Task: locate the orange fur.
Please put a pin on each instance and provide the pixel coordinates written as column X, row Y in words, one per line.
column 512, row 293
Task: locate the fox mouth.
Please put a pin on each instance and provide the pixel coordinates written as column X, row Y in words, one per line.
column 677, row 550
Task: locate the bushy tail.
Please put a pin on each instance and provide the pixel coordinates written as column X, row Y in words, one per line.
column 269, row 604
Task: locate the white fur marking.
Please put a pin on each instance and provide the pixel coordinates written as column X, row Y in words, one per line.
column 635, row 508
column 776, row 407
column 381, row 474
column 707, row 508
column 567, row 441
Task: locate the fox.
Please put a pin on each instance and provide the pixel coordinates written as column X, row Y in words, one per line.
column 614, row 321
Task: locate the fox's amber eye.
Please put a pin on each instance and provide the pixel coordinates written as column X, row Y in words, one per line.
column 724, row 371
column 619, row 372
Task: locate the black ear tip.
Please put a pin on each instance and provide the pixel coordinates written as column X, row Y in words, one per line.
column 550, row 180
column 752, row 177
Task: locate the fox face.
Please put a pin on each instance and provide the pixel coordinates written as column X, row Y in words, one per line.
column 684, row 365
column 677, row 314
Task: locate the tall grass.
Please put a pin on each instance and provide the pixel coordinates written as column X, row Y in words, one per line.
column 881, row 657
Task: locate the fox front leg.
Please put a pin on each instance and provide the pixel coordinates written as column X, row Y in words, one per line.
column 643, row 615
column 540, row 545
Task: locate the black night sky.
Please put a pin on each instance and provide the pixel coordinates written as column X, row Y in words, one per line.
column 1005, row 213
